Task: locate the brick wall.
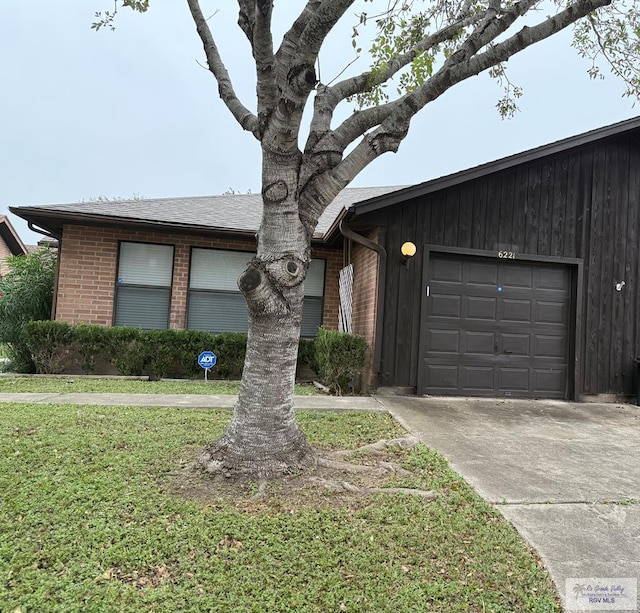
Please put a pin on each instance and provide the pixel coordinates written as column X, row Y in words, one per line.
column 334, row 262
column 87, row 272
column 365, row 295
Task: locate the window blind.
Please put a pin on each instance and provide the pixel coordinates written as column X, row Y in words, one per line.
column 143, row 293
column 216, row 304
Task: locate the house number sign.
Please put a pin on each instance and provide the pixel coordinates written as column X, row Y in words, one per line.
column 507, row 255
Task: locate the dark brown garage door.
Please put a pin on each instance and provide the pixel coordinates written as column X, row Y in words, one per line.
column 496, row 328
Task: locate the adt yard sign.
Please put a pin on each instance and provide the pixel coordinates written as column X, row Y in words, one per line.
column 207, row 359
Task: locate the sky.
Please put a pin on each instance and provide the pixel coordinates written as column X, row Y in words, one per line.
column 132, row 112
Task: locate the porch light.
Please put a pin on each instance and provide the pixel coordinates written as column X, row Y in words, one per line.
column 408, row 250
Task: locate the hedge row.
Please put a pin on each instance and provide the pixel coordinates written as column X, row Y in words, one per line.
column 57, row 346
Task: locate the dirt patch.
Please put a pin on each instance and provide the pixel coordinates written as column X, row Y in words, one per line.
column 333, row 482
column 290, row 493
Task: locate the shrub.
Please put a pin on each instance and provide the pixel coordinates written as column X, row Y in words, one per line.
column 307, row 353
column 158, row 348
column 230, row 349
column 49, row 344
column 124, row 350
column 26, row 294
column 53, row 345
column 90, row 341
column 340, row 356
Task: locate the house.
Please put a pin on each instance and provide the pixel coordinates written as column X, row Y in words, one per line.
column 524, row 279
column 174, row 262
column 10, row 244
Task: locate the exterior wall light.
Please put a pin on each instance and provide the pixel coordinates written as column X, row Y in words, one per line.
column 408, row 250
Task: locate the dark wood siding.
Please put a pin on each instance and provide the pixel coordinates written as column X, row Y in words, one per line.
column 582, row 203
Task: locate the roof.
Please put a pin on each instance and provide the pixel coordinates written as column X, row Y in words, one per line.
column 234, row 213
column 11, row 238
column 428, row 187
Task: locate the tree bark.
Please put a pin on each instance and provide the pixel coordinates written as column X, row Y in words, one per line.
column 263, row 439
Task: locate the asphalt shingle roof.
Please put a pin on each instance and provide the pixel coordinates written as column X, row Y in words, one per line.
column 234, row 212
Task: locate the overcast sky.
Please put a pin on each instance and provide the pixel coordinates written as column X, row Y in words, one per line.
column 130, row 112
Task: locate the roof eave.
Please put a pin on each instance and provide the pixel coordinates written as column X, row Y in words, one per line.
column 10, row 237
column 53, row 220
column 41, row 216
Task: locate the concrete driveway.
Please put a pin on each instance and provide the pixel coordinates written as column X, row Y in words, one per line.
column 566, row 475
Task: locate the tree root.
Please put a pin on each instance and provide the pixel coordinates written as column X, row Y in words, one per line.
column 380, row 468
column 334, row 461
column 345, row 486
column 334, row 470
column 405, row 442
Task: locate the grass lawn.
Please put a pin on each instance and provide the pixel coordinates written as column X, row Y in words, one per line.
column 63, row 385
column 90, row 521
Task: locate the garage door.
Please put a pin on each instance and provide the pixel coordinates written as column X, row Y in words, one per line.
column 496, row 327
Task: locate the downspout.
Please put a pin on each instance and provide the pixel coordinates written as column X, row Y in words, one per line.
column 56, row 281
column 347, row 232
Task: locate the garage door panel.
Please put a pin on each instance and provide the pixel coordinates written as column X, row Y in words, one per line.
column 479, row 343
column 549, row 382
column 478, row 307
column 496, row 327
column 515, row 310
column 446, row 305
column 553, row 278
column 548, row 312
column 480, row 273
column 549, row 346
column 449, row 271
column 444, row 341
column 516, row 344
column 518, row 276
column 442, row 377
column 513, row 379
column 478, row 378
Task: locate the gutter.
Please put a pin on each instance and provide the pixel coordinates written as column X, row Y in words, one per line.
column 37, row 230
column 347, row 232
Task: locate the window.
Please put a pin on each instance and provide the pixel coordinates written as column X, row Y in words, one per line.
column 216, row 304
column 143, row 288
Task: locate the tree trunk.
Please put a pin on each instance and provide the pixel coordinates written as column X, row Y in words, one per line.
column 263, row 439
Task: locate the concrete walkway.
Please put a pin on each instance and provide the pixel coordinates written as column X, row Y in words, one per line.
column 201, row 401
column 566, row 475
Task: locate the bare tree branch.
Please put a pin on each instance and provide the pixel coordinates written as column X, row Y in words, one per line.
column 243, row 116
column 246, row 18
column 262, row 45
column 326, row 174
column 318, row 27
column 486, row 30
column 292, row 36
column 328, row 98
column 366, row 80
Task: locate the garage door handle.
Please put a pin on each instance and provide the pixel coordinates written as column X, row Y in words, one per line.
column 507, row 351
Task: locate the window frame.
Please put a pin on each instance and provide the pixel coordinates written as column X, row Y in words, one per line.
column 117, row 285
